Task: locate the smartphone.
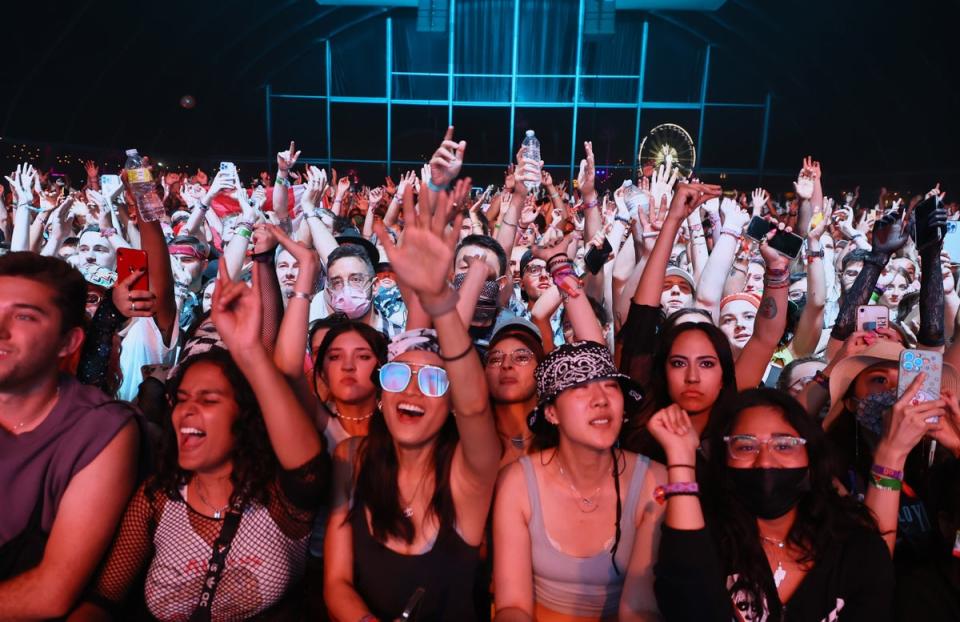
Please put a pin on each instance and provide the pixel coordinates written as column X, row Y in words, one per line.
column 951, row 241
column 109, row 183
column 229, row 168
column 912, row 363
column 922, row 213
column 130, row 260
column 872, row 317
column 596, row 257
column 787, row 244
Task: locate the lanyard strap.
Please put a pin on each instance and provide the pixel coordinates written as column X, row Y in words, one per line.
column 221, row 547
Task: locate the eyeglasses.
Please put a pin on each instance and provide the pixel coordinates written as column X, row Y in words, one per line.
column 357, row 281
column 519, row 357
column 747, row 446
column 535, row 270
column 432, row 381
column 801, row 382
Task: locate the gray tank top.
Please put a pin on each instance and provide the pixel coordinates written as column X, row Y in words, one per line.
column 580, row 586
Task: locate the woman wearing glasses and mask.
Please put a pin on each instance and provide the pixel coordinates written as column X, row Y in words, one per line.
column 411, row 498
column 769, row 538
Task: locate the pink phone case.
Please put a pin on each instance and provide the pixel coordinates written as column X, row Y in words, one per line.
column 912, row 363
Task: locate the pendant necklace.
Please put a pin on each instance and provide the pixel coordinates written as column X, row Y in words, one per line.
column 779, row 574
column 30, row 418
column 518, row 442
column 408, row 507
column 217, row 513
column 584, row 504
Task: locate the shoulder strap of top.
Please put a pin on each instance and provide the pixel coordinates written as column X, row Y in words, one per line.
column 536, row 516
column 636, row 485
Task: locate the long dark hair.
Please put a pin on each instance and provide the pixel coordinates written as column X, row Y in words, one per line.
column 824, row 517
column 377, row 489
column 371, row 335
column 254, row 463
column 659, row 393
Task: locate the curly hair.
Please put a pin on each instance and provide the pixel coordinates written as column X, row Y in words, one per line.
column 254, row 463
column 824, row 517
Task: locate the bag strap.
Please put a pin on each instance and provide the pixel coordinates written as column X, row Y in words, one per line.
column 221, row 547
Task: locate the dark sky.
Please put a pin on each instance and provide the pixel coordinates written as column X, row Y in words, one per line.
column 870, row 87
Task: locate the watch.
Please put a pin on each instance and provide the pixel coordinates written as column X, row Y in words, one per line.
column 818, row 253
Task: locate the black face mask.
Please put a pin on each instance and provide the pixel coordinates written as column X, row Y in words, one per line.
column 769, row 493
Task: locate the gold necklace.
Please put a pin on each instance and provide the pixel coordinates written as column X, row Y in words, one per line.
column 23, row 422
column 336, row 413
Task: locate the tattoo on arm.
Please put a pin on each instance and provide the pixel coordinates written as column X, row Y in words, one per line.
column 768, row 308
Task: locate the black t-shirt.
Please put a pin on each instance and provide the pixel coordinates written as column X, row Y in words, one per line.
column 853, row 581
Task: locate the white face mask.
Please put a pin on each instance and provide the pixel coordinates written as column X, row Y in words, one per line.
column 352, row 302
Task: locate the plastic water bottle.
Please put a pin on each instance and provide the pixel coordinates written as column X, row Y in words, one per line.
column 632, row 197
column 149, row 205
column 531, row 151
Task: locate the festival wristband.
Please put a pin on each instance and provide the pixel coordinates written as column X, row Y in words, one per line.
column 434, row 187
column 664, row 492
column 886, row 472
column 875, row 296
column 886, row 483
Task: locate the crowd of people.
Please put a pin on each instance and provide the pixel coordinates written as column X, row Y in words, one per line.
column 307, row 398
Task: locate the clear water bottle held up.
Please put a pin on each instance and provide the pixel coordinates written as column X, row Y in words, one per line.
column 632, row 197
column 531, row 151
column 149, row 205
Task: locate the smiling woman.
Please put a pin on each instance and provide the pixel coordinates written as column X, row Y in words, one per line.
column 241, row 466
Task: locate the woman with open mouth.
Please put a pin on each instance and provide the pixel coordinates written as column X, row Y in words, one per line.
column 411, row 499
column 222, row 527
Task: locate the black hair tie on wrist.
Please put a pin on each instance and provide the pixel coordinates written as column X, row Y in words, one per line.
column 450, row 359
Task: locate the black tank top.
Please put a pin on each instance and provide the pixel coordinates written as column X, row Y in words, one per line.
column 450, row 572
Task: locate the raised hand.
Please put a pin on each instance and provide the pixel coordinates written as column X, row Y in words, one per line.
column 891, row 232
column 136, row 302
column 937, row 220
column 663, row 180
column 286, row 159
column 546, row 179
column 758, row 201
column 447, row 160
column 911, row 421
column 238, row 314
column 422, row 262
column 509, row 179
column 671, row 427
column 804, row 183
column 735, row 218
column 258, row 198
column 689, row 197
column 586, row 180
column 22, row 182
column 221, row 181
column 247, row 210
column 772, row 258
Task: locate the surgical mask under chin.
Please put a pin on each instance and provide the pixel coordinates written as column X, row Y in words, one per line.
column 351, row 301
column 488, row 304
column 872, row 409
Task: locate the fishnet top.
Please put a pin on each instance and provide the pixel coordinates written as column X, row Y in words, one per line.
column 266, row 559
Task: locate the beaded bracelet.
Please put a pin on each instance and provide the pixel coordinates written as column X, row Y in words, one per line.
column 664, row 492
column 886, row 472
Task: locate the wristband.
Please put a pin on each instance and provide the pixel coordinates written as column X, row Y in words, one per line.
column 201, row 205
column 681, row 466
column 302, row 296
column 875, row 296
column 886, row 472
column 243, row 231
column 819, row 254
column 555, row 195
column 30, row 207
column 109, row 232
column 885, row 483
column 736, row 234
column 434, row 187
column 664, row 492
column 622, row 219
column 283, row 181
column 446, row 305
column 588, row 204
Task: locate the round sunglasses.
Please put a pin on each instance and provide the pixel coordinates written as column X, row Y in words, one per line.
column 432, row 381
